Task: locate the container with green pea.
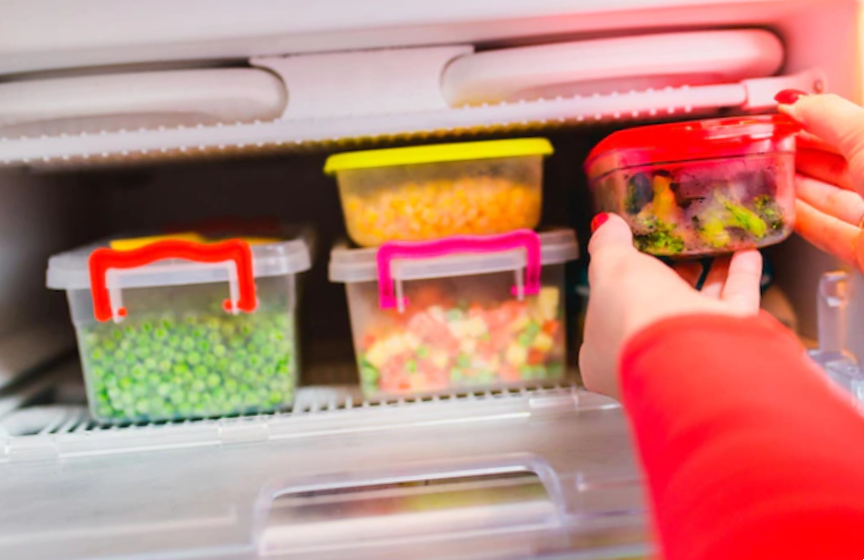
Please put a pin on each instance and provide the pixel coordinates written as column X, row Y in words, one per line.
column 185, row 326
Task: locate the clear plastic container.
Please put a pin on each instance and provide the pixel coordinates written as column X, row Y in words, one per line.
column 474, row 312
column 699, row 188
column 159, row 340
column 431, row 192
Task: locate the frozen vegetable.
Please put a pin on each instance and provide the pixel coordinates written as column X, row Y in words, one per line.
column 699, row 188
column 196, row 362
column 440, row 208
column 700, row 209
column 442, row 344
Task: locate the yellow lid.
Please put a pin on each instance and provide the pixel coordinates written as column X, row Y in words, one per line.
column 461, row 151
column 131, row 244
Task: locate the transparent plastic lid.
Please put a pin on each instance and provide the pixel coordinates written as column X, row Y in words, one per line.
column 290, row 254
column 361, row 265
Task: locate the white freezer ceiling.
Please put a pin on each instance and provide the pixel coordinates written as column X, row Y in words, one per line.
column 39, row 35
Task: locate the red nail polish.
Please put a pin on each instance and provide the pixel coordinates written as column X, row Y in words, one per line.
column 598, row 221
column 789, row 96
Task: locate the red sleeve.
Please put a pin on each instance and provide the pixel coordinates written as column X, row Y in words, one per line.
column 750, row 453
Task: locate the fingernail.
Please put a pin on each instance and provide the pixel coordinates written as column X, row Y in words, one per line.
column 598, row 221
column 789, row 96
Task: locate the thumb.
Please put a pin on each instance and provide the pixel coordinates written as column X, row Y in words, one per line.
column 613, row 232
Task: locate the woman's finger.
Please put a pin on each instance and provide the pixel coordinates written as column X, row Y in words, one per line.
column 835, row 120
column 827, row 233
column 690, row 271
column 716, row 278
column 741, row 290
column 844, row 205
column 829, row 168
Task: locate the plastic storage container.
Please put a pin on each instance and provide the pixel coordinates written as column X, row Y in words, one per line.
column 471, row 312
column 699, row 188
column 159, row 340
column 432, row 192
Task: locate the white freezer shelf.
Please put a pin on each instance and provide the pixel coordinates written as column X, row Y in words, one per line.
column 291, row 135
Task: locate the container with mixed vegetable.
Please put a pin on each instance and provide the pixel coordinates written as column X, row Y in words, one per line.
column 461, row 327
column 703, row 188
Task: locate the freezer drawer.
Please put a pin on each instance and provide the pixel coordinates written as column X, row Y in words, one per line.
column 514, row 474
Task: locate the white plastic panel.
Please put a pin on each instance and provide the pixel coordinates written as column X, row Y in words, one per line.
column 79, row 33
column 605, row 65
column 207, row 489
column 134, row 100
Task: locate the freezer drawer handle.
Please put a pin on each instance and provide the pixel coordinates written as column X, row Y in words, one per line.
column 419, row 250
column 234, row 254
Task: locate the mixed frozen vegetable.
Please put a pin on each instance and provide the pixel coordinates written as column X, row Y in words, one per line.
column 701, row 208
column 441, row 343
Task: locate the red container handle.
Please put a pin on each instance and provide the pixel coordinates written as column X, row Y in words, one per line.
column 519, row 239
column 234, row 250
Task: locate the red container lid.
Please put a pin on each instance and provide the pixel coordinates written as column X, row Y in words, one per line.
column 685, row 141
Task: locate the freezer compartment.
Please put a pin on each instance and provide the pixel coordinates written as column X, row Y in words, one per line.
column 159, row 339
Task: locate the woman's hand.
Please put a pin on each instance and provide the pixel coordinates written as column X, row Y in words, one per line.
column 830, row 178
column 631, row 290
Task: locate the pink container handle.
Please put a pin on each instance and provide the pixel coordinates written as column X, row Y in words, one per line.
column 418, row 250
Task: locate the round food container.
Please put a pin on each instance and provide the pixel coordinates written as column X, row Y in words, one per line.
column 699, row 188
column 423, row 193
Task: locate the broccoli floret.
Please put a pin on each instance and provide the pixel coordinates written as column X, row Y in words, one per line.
column 660, row 238
column 746, row 219
column 768, row 210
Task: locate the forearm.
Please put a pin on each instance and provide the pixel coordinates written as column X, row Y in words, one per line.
column 749, row 452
